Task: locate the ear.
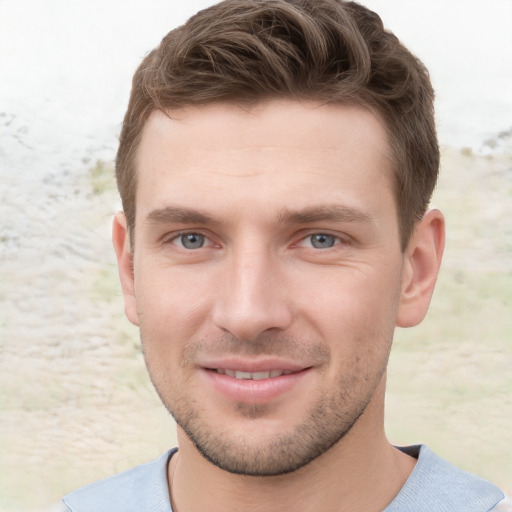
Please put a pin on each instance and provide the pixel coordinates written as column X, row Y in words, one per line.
column 121, row 241
column 421, row 266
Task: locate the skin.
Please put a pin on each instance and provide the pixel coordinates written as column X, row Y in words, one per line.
column 268, row 238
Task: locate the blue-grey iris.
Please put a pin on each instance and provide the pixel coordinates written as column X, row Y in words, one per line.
column 323, row 241
column 192, row 241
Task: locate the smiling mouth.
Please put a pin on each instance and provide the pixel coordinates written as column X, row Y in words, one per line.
column 239, row 374
column 255, row 382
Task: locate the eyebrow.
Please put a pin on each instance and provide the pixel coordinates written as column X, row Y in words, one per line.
column 322, row 213
column 174, row 214
column 325, row 213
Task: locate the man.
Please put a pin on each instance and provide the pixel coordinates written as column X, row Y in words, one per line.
column 275, row 165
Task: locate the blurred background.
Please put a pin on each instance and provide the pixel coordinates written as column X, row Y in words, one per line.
column 75, row 401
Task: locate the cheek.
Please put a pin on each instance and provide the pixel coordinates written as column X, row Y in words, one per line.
column 170, row 300
column 355, row 312
column 358, row 293
column 167, row 313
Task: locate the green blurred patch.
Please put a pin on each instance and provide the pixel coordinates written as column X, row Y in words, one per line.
column 102, row 178
column 106, row 284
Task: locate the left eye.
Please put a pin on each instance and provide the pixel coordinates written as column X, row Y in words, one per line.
column 322, row 240
column 191, row 240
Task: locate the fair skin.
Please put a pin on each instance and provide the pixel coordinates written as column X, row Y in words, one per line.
column 267, row 279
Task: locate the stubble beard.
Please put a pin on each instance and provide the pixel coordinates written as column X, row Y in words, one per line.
column 327, row 422
column 282, row 453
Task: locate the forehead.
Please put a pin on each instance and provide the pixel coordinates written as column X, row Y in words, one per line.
column 280, row 151
column 277, row 122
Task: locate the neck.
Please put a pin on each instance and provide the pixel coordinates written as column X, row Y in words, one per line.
column 361, row 472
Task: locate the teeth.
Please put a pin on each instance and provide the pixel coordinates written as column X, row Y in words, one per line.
column 243, row 375
column 238, row 374
column 261, row 375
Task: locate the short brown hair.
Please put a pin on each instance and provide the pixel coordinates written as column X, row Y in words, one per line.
column 332, row 51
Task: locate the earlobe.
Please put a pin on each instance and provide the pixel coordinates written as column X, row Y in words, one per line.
column 421, row 267
column 121, row 241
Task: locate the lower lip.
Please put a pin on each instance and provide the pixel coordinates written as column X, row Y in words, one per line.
column 254, row 391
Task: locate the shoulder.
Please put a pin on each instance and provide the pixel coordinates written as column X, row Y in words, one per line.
column 143, row 487
column 435, row 484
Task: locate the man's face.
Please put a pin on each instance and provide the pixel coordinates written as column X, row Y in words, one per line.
column 267, row 276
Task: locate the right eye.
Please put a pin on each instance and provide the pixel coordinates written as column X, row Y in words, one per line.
column 190, row 241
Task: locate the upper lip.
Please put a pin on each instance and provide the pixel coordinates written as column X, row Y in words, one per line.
column 252, row 366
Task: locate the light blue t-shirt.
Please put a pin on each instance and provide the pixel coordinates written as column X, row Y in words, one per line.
column 433, row 486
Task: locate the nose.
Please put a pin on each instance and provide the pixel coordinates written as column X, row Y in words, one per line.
column 253, row 297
